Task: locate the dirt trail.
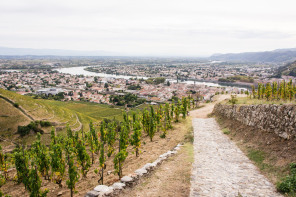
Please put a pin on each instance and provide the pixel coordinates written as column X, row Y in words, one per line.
column 19, row 107
column 208, row 108
column 220, row 168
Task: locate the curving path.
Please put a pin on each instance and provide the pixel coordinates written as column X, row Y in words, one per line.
column 220, row 168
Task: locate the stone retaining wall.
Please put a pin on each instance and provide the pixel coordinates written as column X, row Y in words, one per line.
column 279, row 119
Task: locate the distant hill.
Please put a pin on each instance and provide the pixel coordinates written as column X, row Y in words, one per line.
column 275, row 56
column 6, row 51
column 288, row 70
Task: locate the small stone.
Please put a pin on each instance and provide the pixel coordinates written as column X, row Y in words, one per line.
column 103, row 189
column 174, row 152
column 148, row 166
column 126, row 179
column 92, row 193
column 157, row 162
column 141, row 171
column 177, row 148
column 109, row 172
column 118, row 185
column 60, row 193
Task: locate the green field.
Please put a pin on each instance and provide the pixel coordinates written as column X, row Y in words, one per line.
column 74, row 114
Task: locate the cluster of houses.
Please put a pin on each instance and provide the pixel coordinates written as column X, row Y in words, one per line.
column 95, row 89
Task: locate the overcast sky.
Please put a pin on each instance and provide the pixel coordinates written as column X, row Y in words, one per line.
column 150, row 27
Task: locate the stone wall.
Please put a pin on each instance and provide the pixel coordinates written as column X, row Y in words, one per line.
column 280, row 119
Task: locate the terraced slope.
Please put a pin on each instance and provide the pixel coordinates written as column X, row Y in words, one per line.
column 76, row 114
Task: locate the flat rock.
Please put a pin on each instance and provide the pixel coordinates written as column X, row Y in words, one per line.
column 126, row 179
column 177, row 148
column 148, row 166
column 103, row 189
column 141, row 171
column 92, row 193
column 157, row 162
column 118, row 185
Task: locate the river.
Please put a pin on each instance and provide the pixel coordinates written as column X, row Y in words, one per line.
column 80, row 71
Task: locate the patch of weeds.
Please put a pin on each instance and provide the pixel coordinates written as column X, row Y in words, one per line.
column 189, row 149
column 226, row 131
column 189, row 137
column 257, row 156
column 288, row 184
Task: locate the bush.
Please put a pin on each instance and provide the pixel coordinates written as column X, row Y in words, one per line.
column 45, row 123
column 233, row 99
column 23, row 130
column 289, row 182
column 32, row 126
column 16, row 105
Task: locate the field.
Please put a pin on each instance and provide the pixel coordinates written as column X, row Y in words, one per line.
column 75, row 114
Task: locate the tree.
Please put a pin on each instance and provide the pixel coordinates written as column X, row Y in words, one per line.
column 21, row 161
column 72, row 169
column 57, row 163
column 102, row 151
column 34, row 183
column 253, row 91
column 3, row 163
column 93, row 141
column 233, row 99
column 122, row 153
column 152, row 124
column 111, row 137
column 136, row 136
column 40, row 152
column 268, row 91
column 82, row 158
column 177, row 111
column 290, row 90
column 274, row 90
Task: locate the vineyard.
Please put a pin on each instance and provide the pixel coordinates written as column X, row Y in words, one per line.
column 102, row 154
column 274, row 91
column 75, row 114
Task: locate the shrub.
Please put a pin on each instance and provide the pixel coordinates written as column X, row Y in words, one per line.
column 233, row 99
column 23, row 130
column 16, row 105
column 45, row 123
column 288, row 184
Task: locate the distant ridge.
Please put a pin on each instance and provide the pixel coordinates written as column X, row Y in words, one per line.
column 275, row 56
column 7, row 51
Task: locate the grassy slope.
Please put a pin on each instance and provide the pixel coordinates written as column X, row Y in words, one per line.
column 248, row 101
column 62, row 113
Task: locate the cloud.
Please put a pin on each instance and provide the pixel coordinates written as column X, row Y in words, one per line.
column 167, row 27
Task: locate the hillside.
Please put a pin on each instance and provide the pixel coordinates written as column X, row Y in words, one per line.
column 275, row 56
column 288, row 70
column 76, row 114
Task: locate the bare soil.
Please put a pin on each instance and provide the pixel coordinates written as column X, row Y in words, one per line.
column 172, row 178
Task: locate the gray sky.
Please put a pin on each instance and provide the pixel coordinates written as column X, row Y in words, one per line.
column 150, row 27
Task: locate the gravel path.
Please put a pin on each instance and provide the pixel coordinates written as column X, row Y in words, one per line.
column 220, row 168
